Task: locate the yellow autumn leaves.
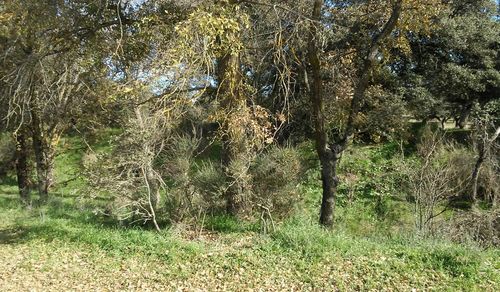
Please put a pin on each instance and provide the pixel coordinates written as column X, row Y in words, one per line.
column 211, row 30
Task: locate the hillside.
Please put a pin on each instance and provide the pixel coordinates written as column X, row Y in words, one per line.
column 68, row 244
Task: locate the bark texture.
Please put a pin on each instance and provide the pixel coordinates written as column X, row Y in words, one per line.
column 326, row 156
column 235, row 152
column 44, row 157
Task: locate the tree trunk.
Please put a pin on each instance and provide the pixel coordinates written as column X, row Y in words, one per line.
column 330, row 181
column 329, row 154
column 483, row 149
column 443, row 121
column 44, row 157
column 464, row 115
column 235, row 192
column 22, row 169
column 235, row 149
column 475, row 173
column 327, row 158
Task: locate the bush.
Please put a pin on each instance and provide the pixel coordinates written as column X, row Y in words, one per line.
column 175, row 166
column 128, row 172
column 459, row 136
column 276, row 175
column 7, row 153
column 433, row 179
column 370, row 173
column 371, row 190
column 208, row 180
column 482, row 227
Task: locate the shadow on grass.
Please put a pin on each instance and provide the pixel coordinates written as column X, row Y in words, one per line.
column 8, row 181
column 74, row 222
column 229, row 224
column 9, row 201
column 12, row 236
column 64, row 209
column 121, row 242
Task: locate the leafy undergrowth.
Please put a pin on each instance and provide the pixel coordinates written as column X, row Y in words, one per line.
column 67, row 245
column 63, row 246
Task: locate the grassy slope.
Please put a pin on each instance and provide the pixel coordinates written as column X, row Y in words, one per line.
column 65, row 245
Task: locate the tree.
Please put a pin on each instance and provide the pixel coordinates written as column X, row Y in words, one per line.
column 330, row 149
column 49, row 50
column 486, row 131
column 454, row 66
column 363, row 33
column 218, row 49
column 22, row 168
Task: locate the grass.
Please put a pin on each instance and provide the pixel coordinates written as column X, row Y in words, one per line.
column 66, row 245
column 299, row 254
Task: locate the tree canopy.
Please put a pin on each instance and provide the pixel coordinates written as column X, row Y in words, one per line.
column 244, row 75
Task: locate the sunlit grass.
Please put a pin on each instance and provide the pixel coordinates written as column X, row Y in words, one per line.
column 60, row 244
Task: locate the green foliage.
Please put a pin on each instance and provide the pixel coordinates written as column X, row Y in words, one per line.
column 228, row 224
column 382, row 117
column 208, row 33
column 70, row 221
column 276, row 176
column 303, row 236
column 195, row 186
column 209, row 181
column 7, row 149
column 160, row 71
column 399, row 254
column 358, row 254
column 459, row 136
column 456, row 65
column 372, row 173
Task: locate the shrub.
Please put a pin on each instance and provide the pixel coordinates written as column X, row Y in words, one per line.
column 459, row 136
column 208, row 180
column 7, row 150
column 371, row 189
column 433, row 179
column 482, row 227
column 195, row 187
column 370, row 173
column 129, row 172
column 276, row 175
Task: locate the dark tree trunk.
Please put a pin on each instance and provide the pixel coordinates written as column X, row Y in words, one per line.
column 329, row 181
column 326, row 156
column 443, row 121
column 235, row 151
column 22, row 169
column 461, row 122
column 43, row 158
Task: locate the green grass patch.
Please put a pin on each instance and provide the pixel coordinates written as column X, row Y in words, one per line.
column 371, row 247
